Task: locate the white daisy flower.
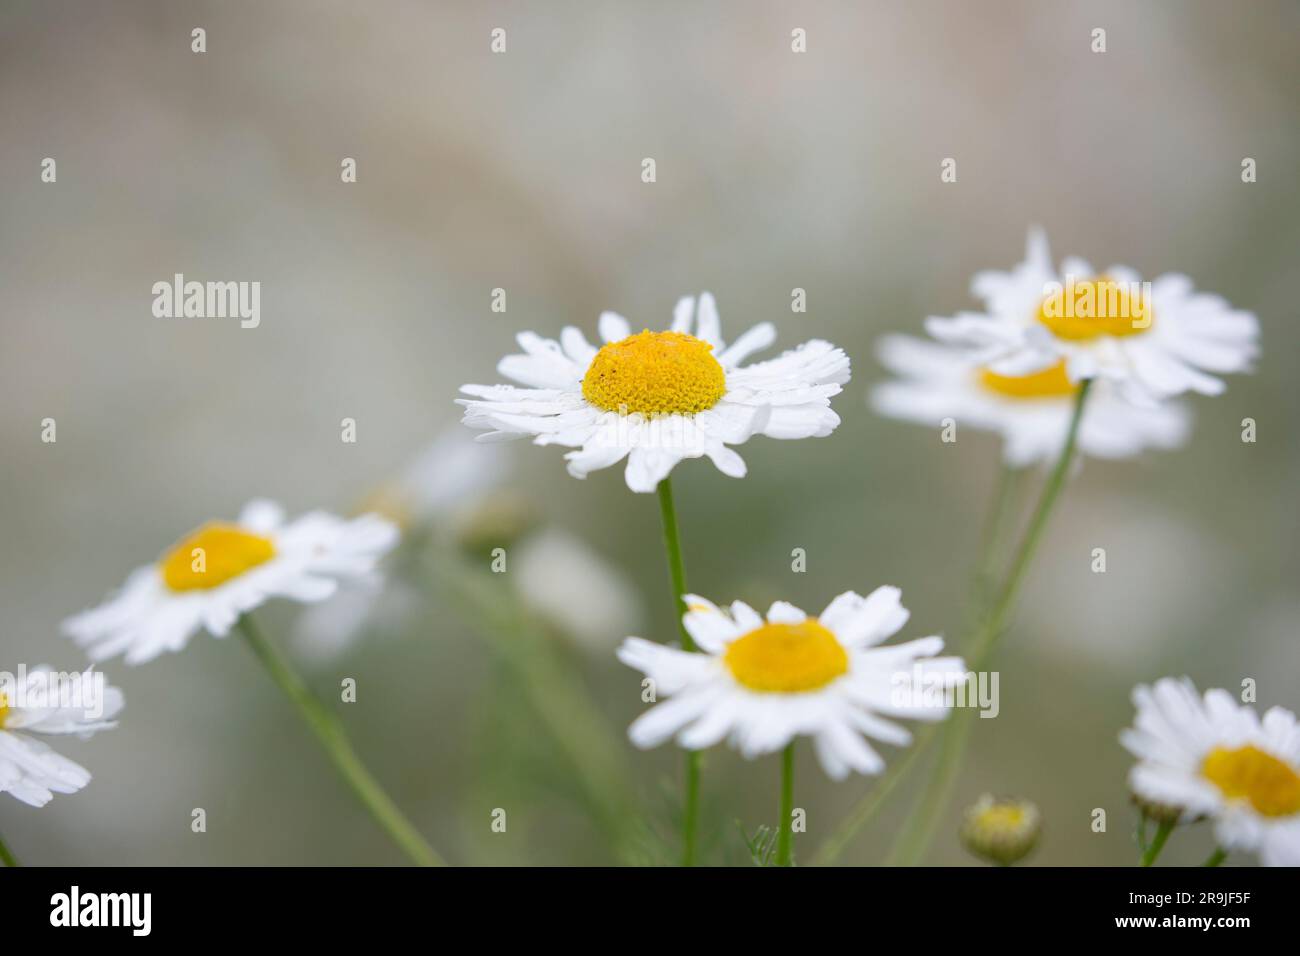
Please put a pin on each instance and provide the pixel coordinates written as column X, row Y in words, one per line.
column 30, row 770
column 576, row 589
column 1031, row 412
column 223, row 570
column 1153, row 339
column 1216, row 758
column 453, row 475
column 657, row 398
column 760, row 683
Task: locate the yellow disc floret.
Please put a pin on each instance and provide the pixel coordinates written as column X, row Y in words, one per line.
column 655, row 373
column 4, row 710
column 1089, row 308
column 1248, row 773
column 213, row 555
column 1051, row 382
column 787, row 658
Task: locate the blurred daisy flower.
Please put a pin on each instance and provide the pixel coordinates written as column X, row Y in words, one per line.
column 658, row 397
column 453, row 494
column 1213, row 757
column 1031, row 412
column 759, row 683
column 1153, row 339
column 575, row 589
column 451, row 480
column 30, row 770
column 223, row 570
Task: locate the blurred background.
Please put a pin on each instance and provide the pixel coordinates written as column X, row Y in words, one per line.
column 522, row 171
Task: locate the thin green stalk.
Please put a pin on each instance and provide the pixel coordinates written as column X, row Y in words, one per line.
column 956, row 728
column 7, row 857
column 1217, row 857
column 785, row 838
column 997, row 620
column 672, row 544
column 866, row 808
column 982, row 647
column 330, row 734
column 920, row 830
column 1158, row 842
column 991, row 538
column 555, row 693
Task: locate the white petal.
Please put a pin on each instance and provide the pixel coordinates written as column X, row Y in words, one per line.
column 613, row 327
column 683, row 313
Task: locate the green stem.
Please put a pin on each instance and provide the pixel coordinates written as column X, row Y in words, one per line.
column 7, row 857
column 1217, row 857
column 1158, row 842
column 673, row 545
column 982, row 646
column 330, row 734
column 785, row 838
column 913, row 833
column 919, row 829
column 991, row 538
column 957, row 730
column 556, row 694
column 866, row 808
column 997, row 620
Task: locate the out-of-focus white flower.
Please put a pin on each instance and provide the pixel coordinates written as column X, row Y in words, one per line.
column 1214, row 757
column 223, row 570
column 450, row 475
column 445, row 483
column 1153, row 340
column 561, row 578
column 1031, row 412
column 30, row 770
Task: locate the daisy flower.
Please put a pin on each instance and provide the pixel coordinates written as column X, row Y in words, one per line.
column 1213, row 757
column 223, row 570
column 759, row 683
column 1031, row 412
column 30, row 770
column 450, row 478
column 658, row 397
column 1153, row 339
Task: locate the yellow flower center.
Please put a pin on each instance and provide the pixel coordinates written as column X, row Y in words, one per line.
column 655, row 373
column 4, row 710
column 998, row 818
column 212, row 556
column 1248, row 773
column 1088, row 308
column 787, row 658
column 1051, row 382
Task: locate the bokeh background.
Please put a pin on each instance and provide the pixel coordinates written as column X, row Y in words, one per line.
column 522, row 171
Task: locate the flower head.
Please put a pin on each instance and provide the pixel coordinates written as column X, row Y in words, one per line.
column 760, row 682
column 1213, row 757
column 225, row 569
column 1031, row 412
column 1152, row 339
column 1002, row 830
column 50, row 704
column 658, row 397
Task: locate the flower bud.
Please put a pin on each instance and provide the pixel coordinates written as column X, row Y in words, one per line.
column 1001, row 830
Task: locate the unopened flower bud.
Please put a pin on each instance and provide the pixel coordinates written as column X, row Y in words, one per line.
column 1002, row 830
